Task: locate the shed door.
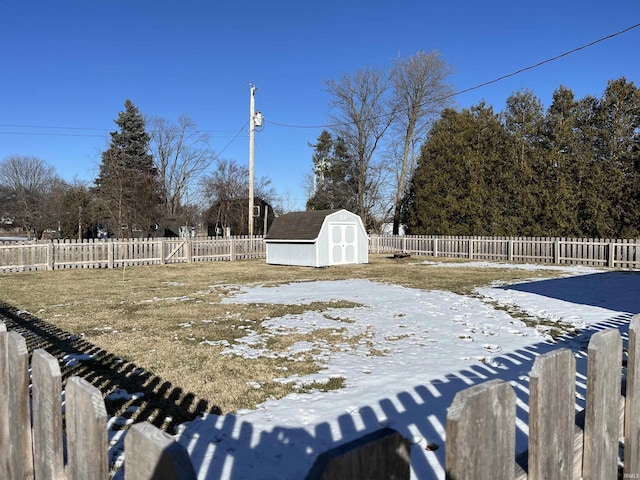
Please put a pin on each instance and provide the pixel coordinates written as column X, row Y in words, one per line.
column 343, row 243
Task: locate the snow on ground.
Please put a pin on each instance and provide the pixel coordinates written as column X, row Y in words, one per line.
column 416, row 350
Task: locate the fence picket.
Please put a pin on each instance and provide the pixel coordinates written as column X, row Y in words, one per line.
column 381, row 455
column 480, row 433
column 602, row 417
column 46, row 393
column 20, row 440
column 552, row 393
column 5, row 453
column 87, row 441
column 632, row 403
column 157, row 456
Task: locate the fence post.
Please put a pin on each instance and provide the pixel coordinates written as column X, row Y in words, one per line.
column 470, row 249
column 163, row 243
column 232, row 249
column 46, row 393
column 435, row 247
column 20, row 440
column 381, row 455
column 87, row 441
column 189, row 246
column 510, row 247
column 556, row 252
column 5, row 454
column 50, row 261
column 152, row 453
column 552, row 396
column 602, row 413
column 632, row 403
column 110, row 253
column 611, row 255
column 481, row 433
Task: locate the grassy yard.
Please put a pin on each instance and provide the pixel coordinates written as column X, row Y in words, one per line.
column 169, row 322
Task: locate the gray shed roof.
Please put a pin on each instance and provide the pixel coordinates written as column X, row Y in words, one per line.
column 298, row 225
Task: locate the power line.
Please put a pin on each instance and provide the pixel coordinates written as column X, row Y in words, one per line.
column 232, row 140
column 89, row 135
column 557, row 57
column 45, row 126
column 460, row 92
column 88, row 129
column 44, row 134
column 483, row 84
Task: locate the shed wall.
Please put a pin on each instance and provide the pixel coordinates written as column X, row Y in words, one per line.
column 322, row 245
column 298, row 254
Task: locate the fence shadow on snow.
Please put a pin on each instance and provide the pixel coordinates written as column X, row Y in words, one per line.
column 418, row 413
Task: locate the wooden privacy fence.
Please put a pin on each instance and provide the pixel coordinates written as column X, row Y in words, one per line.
column 481, row 425
column 32, row 443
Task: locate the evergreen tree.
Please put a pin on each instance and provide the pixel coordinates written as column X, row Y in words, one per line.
column 617, row 148
column 572, row 171
column 525, row 202
column 128, row 187
column 454, row 188
column 566, row 165
column 334, row 180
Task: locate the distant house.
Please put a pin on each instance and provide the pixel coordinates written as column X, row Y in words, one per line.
column 7, row 224
column 387, row 229
column 317, row 238
column 230, row 217
column 174, row 226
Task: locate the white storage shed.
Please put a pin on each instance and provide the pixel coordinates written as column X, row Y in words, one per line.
column 317, row 238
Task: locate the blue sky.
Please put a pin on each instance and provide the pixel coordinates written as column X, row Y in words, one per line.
column 67, row 67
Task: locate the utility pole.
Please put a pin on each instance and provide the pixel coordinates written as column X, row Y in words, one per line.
column 252, row 128
column 80, row 223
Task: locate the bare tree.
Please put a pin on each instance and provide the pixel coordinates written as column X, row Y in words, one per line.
column 27, row 181
column 230, row 181
column 361, row 116
column 420, row 92
column 181, row 154
column 226, row 189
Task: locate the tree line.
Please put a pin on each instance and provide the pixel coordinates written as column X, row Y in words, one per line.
column 571, row 171
column 398, row 152
column 152, row 172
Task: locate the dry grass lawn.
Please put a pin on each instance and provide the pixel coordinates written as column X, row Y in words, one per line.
column 164, row 319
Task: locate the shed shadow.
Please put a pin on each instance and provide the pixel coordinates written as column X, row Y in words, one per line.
column 617, row 291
